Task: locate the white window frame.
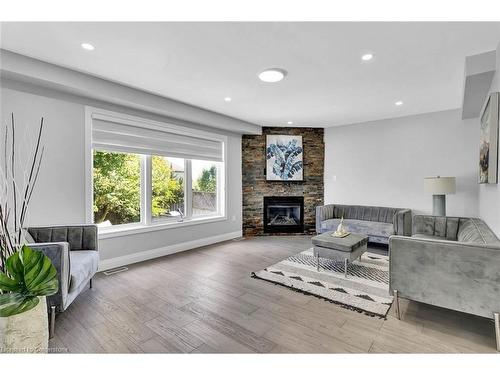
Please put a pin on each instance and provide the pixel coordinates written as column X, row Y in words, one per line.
column 147, row 222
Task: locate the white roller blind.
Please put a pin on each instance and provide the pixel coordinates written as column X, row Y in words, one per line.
column 143, row 138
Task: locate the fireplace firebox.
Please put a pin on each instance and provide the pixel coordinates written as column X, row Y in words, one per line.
column 283, row 214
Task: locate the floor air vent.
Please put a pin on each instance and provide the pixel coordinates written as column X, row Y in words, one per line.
column 115, row 270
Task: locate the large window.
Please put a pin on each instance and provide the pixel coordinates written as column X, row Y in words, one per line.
column 117, row 188
column 176, row 189
column 149, row 174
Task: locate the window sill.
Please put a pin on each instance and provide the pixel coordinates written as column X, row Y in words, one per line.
column 139, row 228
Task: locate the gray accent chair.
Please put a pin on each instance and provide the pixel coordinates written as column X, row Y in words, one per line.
column 73, row 250
column 378, row 223
column 450, row 262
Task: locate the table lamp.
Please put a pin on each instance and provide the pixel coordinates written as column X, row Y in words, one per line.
column 439, row 186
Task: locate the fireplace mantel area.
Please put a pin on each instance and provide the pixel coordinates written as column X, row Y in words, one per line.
column 256, row 188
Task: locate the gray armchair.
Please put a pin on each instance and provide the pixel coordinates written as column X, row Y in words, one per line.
column 450, row 262
column 73, row 252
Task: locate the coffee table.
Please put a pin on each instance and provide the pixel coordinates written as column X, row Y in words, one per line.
column 344, row 249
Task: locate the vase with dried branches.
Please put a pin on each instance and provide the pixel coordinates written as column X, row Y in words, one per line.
column 15, row 198
column 25, row 274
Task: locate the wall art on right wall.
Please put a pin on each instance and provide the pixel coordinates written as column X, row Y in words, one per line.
column 488, row 148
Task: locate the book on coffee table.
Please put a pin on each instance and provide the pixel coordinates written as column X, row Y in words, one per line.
column 341, row 235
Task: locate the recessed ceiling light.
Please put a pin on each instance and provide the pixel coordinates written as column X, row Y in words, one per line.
column 88, row 46
column 367, row 57
column 290, row 122
column 272, row 75
column 399, row 102
column 227, row 99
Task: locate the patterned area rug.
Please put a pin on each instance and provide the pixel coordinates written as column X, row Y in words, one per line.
column 366, row 288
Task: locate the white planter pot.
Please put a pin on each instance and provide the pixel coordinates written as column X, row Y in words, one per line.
column 27, row 332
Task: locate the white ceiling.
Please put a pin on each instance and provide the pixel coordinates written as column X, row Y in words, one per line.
column 327, row 84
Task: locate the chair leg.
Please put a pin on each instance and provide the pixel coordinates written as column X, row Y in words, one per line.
column 396, row 302
column 91, row 283
column 52, row 321
column 497, row 329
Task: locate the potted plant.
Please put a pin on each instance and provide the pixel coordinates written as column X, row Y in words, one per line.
column 26, row 275
column 29, row 277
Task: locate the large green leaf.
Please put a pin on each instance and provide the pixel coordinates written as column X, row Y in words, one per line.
column 40, row 275
column 30, row 274
column 15, row 303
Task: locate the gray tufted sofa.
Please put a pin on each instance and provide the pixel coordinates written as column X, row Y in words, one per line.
column 73, row 251
column 378, row 223
column 450, row 262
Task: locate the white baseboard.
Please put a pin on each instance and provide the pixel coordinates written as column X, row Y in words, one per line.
column 107, row 264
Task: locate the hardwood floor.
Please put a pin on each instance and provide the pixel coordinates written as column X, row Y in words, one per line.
column 204, row 301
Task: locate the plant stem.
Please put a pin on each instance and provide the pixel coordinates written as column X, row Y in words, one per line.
column 13, row 172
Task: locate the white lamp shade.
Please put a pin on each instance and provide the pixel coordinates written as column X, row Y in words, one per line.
column 440, row 185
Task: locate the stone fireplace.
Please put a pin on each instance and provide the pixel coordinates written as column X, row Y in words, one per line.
column 256, row 188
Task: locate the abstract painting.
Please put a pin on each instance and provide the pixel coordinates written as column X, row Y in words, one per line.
column 284, row 158
column 488, row 148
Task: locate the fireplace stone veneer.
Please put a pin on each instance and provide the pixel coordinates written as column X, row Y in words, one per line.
column 255, row 187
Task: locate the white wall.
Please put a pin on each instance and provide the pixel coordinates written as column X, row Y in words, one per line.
column 384, row 162
column 489, row 194
column 60, row 195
